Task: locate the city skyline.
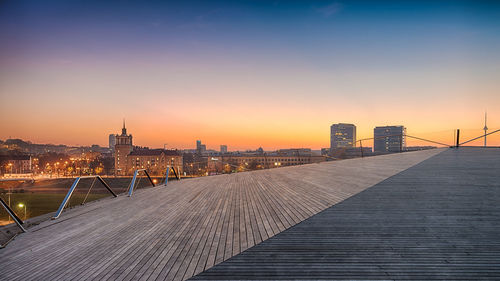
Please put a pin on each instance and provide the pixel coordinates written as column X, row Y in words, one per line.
column 368, row 141
column 249, row 139
column 247, row 74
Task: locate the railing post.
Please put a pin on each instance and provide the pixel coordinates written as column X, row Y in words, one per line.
column 106, row 185
column 73, row 187
column 66, row 199
column 458, row 138
column 150, row 180
column 361, row 147
column 166, row 174
column 13, row 215
column 401, row 143
column 132, row 183
column 175, row 173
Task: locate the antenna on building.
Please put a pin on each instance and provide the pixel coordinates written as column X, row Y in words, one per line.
column 124, row 130
column 485, row 127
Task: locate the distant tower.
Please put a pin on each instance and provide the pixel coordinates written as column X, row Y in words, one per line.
column 200, row 148
column 223, row 148
column 112, row 141
column 485, row 128
column 123, row 147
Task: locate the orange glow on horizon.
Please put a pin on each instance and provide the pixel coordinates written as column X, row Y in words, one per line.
column 238, row 134
column 269, row 113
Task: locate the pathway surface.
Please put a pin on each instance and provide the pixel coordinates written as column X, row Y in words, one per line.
column 439, row 220
column 177, row 231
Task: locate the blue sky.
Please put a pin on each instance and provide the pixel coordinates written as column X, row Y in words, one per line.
column 312, row 28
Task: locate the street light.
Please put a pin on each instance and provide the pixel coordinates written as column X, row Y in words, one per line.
column 10, row 187
column 21, row 205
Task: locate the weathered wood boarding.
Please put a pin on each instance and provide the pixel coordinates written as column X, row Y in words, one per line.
column 438, row 220
column 175, row 232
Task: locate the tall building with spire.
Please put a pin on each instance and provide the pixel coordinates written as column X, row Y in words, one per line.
column 123, row 148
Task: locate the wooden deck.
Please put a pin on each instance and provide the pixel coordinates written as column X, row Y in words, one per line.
column 175, row 232
column 439, row 220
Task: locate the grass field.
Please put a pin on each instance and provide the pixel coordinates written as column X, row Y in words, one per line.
column 44, row 197
column 39, row 203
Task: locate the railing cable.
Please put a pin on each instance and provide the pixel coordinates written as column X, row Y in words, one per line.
column 73, row 187
column 422, row 139
column 88, row 192
column 496, row 131
column 132, row 183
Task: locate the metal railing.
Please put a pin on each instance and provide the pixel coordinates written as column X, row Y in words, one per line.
column 73, row 187
column 400, row 136
column 132, row 183
column 473, row 139
column 167, row 173
column 456, row 145
column 400, row 141
column 13, row 215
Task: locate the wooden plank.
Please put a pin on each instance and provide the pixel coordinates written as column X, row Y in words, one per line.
column 177, row 231
column 438, row 220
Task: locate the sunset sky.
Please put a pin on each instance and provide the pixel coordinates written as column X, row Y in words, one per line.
column 274, row 74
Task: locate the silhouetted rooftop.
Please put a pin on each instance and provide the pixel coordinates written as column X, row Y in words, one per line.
column 153, row 152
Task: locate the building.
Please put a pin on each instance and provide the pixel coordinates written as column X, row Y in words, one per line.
column 194, row 163
column 342, row 135
column 351, row 152
column 200, row 148
column 129, row 158
column 253, row 161
column 112, row 141
column 388, row 139
column 16, row 164
column 295, row 152
column 223, row 148
column 123, row 148
column 155, row 161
